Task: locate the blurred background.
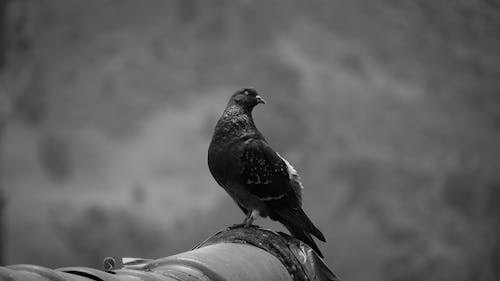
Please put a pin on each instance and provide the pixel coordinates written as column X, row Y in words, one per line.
column 390, row 110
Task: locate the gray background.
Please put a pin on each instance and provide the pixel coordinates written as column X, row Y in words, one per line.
column 388, row 109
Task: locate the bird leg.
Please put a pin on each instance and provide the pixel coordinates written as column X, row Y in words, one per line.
column 250, row 218
column 248, row 221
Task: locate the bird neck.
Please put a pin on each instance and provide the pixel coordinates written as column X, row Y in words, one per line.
column 235, row 121
column 238, row 115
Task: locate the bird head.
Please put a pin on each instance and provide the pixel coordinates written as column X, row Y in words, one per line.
column 247, row 98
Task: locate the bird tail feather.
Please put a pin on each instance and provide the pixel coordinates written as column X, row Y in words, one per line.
column 299, row 219
column 301, row 227
column 304, row 237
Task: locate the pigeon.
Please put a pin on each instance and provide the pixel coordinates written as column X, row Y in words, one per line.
column 258, row 179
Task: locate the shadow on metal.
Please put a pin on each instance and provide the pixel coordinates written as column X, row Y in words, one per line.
column 239, row 254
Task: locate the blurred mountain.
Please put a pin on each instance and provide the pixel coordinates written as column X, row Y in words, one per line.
column 388, row 109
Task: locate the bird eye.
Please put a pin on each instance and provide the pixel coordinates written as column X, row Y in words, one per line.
column 245, row 92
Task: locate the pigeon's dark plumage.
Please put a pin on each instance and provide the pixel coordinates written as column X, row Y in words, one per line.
column 258, row 179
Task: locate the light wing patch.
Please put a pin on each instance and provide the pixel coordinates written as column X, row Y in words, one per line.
column 297, row 186
column 292, row 173
column 272, row 197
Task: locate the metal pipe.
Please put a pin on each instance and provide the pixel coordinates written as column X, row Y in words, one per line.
column 239, row 254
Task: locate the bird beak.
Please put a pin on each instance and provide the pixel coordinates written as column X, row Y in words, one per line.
column 260, row 100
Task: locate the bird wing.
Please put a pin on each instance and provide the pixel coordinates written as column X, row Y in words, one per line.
column 265, row 173
column 273, row 180
column 294, row 179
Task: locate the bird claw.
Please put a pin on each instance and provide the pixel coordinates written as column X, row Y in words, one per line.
column 238, row 225
column 241, row 225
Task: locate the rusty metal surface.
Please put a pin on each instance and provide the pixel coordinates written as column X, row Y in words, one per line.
column 47, row 273
column 229, row 261
column 301, row 261
column 141, row 275
column 38, row 273
column 242, row 254
column 222, row 262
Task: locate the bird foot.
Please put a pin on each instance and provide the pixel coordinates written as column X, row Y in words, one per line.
column 241, row 225
column 238, row 225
